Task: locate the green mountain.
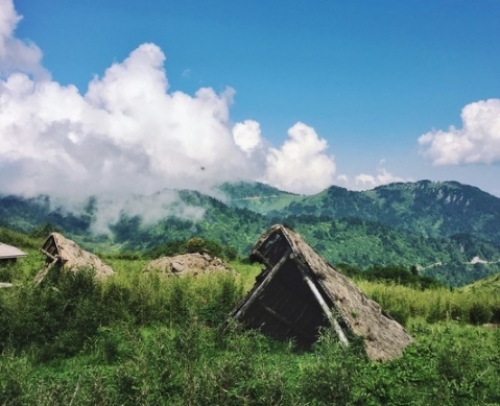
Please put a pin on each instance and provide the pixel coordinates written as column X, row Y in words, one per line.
column 142, row 222
column 446, row 230
column 430, row 209
column 25, row 214
column 255, row 196
column 235, row 227
column 366, row 243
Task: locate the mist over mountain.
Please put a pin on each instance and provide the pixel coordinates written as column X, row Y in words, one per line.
column 446, row 230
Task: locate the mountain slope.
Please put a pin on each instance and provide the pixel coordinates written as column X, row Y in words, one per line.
column 139, row 222
column 235, row 227
column 426, row 208
column 490, row 285
column 255, row 196
column 365, row 243
column 143, row 222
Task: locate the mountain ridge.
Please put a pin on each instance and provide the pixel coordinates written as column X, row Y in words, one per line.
column 433, row 209
column 389, row 224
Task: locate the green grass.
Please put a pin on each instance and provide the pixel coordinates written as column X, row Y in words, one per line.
column 141, row 339
column 490, row 285
column 442, row 304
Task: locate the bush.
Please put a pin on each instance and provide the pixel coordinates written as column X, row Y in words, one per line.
column 479, row 313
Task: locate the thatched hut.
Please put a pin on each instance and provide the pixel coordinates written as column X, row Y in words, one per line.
column 188, row 264
column 299, row 293
column 64, row 253
column 10, row 254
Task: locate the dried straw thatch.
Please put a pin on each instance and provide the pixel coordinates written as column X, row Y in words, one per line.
column 8, row 253
column 298, row 293
column 66, row 253
column 188, row 264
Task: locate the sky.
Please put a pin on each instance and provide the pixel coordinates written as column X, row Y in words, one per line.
column 134, row 97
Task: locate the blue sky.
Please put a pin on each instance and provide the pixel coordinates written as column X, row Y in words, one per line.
column 369, row 77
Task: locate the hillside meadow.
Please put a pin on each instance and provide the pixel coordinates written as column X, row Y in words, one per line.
column 141, row 339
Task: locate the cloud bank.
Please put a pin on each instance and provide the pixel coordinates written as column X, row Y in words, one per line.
column 130, row 134
column 478, row 141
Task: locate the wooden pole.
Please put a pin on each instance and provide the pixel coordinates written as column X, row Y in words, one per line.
column 43, row 273
column 331, row 317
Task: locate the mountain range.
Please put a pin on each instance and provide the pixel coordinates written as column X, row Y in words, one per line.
column 445, row 230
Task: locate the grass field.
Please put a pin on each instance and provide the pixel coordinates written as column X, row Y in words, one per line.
column 146, row 340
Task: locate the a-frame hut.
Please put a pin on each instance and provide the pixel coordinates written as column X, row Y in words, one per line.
column 66, row 254
column 298, row 293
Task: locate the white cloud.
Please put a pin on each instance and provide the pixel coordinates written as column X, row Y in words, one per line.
column 382, row 177
column 108, row 209
column 16, row 55
column 478, row 141
column 130, row 134
column 8, row 22
column 301, row 164
column 127, row 134
column 247, row 135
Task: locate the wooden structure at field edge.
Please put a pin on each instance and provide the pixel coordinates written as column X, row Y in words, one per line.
column 299, row 293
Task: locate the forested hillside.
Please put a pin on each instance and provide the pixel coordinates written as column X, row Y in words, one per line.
column 430, row 209
column 445, row 230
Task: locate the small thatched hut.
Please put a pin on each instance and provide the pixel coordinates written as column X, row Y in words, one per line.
column 10, row 254
column 65, row 253
column 298, row 293
column 188, row 264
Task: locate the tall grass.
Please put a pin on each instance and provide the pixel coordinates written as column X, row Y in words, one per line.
column 402, row 302
column 140, row 339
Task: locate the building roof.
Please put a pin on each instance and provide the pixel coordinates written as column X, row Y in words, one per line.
column 298, row 293
column 65, row 252
column 10, row 252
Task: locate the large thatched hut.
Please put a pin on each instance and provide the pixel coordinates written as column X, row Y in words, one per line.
column 299, row 293
column 63, row 253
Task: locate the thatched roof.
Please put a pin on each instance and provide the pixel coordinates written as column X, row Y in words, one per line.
column 66, row 253
column 10, row 252
column 298, row 293
column 188, row 264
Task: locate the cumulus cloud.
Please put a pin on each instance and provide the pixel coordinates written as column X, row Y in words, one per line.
column 301, row 164
column 129, row 135
column 382, row 177
column 478, row 141
column 247, row 136
column 16, row 55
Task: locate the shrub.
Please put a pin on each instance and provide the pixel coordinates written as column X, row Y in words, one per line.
column 479, row 313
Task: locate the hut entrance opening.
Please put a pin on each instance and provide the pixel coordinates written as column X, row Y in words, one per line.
column 286, row 309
